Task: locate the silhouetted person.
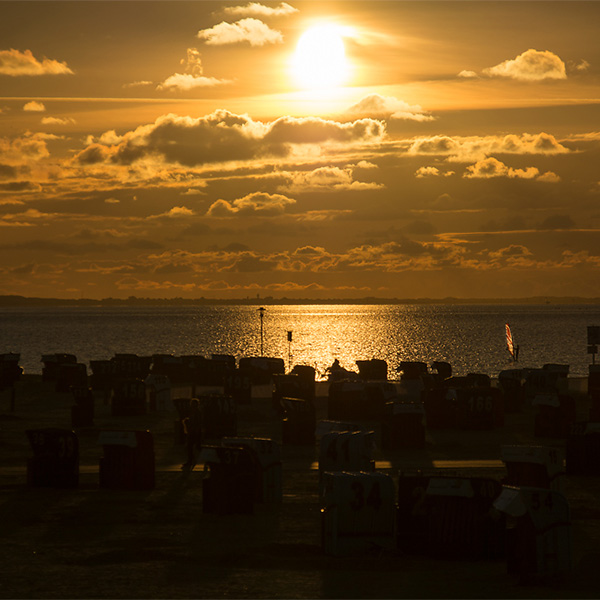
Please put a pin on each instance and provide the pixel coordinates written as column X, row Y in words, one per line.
column 193, row 429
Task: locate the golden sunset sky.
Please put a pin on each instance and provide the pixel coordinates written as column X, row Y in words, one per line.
column 303, row 150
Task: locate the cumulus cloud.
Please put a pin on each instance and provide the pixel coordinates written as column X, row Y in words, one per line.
column 468, row 74
column 325, row 179
column 192, row 77
column 177, row 212
column 31, row 146
column 492, row 167
column 16, row 63
column 389, row 107
column 224, row 136
column 250, row 30
column 549, row 177
column 465, row 149
column 256, row 9
column 259, row 203
column 34, row 106
column 431, row 172
column 531, row 65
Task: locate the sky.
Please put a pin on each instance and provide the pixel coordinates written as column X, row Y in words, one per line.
column 307, row 149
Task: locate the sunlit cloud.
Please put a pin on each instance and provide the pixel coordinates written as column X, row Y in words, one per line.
column 492, row 167
column 462, row 149
column 389, row 107
column 185, row 81
column 255, row 9
column 192, row 77
column 531, row 65
column 431, row 172
column 34, row 106
column 135, row 84
column 16, row 63
column 468, row 74
column 31, row 146
column 250, row 30
column 325, row 179
column 177, row 212
column 224, row 136
column 254, row 203
column 57, row 120
column 582, row 65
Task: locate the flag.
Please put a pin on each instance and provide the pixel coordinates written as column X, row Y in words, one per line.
column 509, row 342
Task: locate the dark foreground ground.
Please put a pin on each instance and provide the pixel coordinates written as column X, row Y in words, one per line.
column 95, row 543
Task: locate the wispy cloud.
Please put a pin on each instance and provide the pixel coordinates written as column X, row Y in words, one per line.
column 255, row 9
column 57, row 120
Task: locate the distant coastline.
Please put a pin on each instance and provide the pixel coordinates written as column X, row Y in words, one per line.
column 23, row 301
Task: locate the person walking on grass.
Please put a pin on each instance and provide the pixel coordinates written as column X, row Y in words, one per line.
column 192, row 426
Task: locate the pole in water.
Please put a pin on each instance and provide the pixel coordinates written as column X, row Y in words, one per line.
column 261, row 310
column 289, row 337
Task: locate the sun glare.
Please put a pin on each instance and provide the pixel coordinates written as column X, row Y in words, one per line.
column 320, row 59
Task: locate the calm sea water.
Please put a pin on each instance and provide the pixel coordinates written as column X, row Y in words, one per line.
column 470, row 338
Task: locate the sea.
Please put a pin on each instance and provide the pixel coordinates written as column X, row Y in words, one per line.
column 470, row 337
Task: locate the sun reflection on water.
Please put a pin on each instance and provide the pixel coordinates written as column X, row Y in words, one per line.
column 469, row 337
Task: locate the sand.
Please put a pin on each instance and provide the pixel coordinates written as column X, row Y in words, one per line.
column 90, row 542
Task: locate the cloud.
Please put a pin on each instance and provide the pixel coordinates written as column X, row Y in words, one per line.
column 34, row 106
column 16, row 63
column 431, row 172
column 177, row 212
column 389, row 107
column 32, row 146
column 582, row 65
column 468, row 74
column 185, row 81
column 57, row 120
column 549, row 177
column 491, row 167
column 531, row 65
column 193, row 75
column 253, row 31
column 465, row 149
column 195, row 191
column 135, row 84
column 260, row 10
column 325, row 179
column 20, row 186
column 224, row 136
column 554, row 222
column 259, row 203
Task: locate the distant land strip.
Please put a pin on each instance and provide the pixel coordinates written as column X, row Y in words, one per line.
column 22, row 301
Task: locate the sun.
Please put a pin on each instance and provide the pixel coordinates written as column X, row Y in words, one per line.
column 320, row 59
